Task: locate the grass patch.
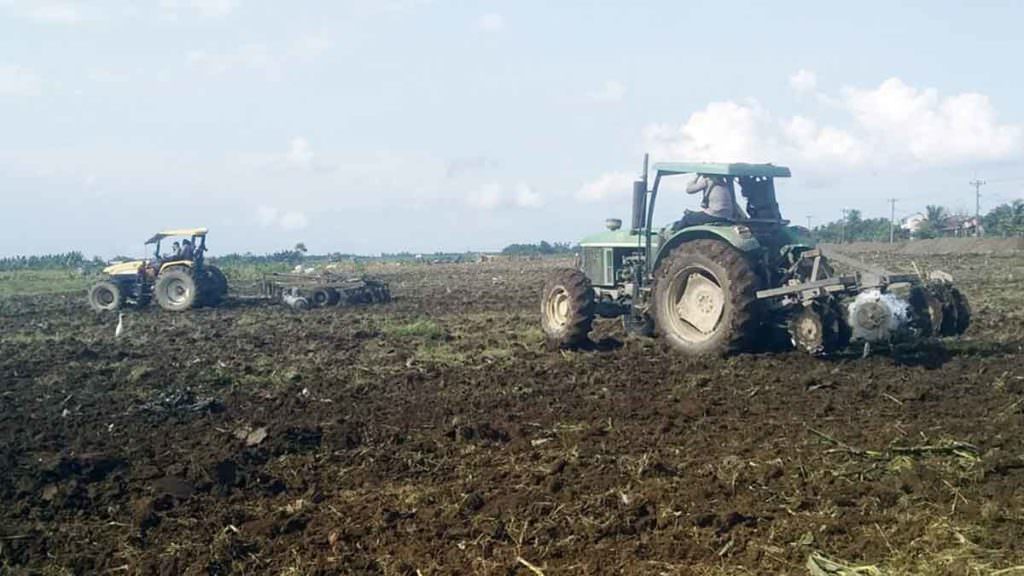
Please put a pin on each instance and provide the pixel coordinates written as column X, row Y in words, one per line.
column 440, row 354
column 34, row 337
column 27, row 282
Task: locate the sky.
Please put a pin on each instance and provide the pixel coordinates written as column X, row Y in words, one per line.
column 368, row 126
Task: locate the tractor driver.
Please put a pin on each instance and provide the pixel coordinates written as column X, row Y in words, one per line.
column 162, row 258
column 187, row 251
column 718, row 202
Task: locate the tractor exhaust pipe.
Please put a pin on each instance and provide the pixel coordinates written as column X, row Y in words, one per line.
column 639, row 205
column 640, row 200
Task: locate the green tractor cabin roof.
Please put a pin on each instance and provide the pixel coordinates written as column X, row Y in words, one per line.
column 722, row 169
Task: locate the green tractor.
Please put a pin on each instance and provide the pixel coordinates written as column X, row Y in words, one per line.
column 733, row 286
column 178, row 282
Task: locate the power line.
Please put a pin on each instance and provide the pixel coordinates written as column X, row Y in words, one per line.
column 892, row 220
column 977, row 183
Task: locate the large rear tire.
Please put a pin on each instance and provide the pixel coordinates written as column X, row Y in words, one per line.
column 963, row 311
column 567, row 308
column 175, row 290
column 705, row 299
column 105, row 297
column 214, row 286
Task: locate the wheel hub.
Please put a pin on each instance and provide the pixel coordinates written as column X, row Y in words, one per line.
column 177, row 291
column 818, row 330
column 558, row 306
column 701, row 303
column 807, row 332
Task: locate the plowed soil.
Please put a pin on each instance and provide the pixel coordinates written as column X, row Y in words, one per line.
column 438, row 435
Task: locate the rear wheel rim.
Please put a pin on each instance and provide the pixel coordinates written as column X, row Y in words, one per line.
column 557, row 308
column 696, row 302
column 176, row 291
column 104, row 297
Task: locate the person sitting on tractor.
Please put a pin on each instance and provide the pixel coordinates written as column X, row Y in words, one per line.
column 161, row 259
column 718, row 202
column 187, row 251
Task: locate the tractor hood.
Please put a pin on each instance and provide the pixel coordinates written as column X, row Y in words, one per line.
column 129, row 268
column 617, row 239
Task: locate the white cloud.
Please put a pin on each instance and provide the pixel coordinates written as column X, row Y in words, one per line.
column 300, row 154
column 56, row 12
column 526, row 197
column 930, row 129
column 266, row 215
column 294, row 220
column 249, row 56
column 721, row 132
column 258, row 57
column 487, row 197
column 891, row 125
column 803, row 81
column 493, row 195
column 107, row 76
column 613, row 185
column 271, row 217
column 18, row 81
column 491, row 22
column 821, row 144
column 52, row 11
column 172, row 9
column 215, row 8
column 612, row 91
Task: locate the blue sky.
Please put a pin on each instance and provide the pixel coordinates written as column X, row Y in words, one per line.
column 421, row 125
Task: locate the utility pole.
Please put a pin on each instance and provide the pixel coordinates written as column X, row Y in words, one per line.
column 977, row 183
column 892, row 220
column 808, row 222
column 842, row 233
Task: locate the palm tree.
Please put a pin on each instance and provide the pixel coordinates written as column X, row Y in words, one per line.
column 935, row 214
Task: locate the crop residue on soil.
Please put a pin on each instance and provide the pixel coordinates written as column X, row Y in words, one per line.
column 438, row 434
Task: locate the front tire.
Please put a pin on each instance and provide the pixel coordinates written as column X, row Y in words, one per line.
column 567, row 308
column 704, row 299
column 175, row 290
column 105, row 297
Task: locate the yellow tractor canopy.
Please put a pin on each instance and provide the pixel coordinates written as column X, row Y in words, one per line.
column 186, row 232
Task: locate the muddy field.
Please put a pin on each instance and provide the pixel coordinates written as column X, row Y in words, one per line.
column 438, row 435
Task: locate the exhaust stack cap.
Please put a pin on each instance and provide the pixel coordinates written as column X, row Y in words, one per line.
column 613, row 224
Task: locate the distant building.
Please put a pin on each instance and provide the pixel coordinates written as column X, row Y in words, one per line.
column 913, row 223
column 959, row 226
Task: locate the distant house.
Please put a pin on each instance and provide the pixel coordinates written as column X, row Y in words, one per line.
column 913, row 223
column 959, row 226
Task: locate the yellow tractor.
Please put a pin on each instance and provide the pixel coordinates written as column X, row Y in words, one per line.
column 179, row 281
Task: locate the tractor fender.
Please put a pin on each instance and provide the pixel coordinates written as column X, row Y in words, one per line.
column 183, row 264
column 736, row 235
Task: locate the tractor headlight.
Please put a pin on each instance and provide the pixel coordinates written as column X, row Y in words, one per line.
column 743, row 232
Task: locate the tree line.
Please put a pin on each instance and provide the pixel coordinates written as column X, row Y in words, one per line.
column 70, row 260
column 543, row 248
column 1005, row 220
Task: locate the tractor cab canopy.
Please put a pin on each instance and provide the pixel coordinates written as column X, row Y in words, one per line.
column 756, row 182
column 198, row 236
column 738, row 169
column 183, row 232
